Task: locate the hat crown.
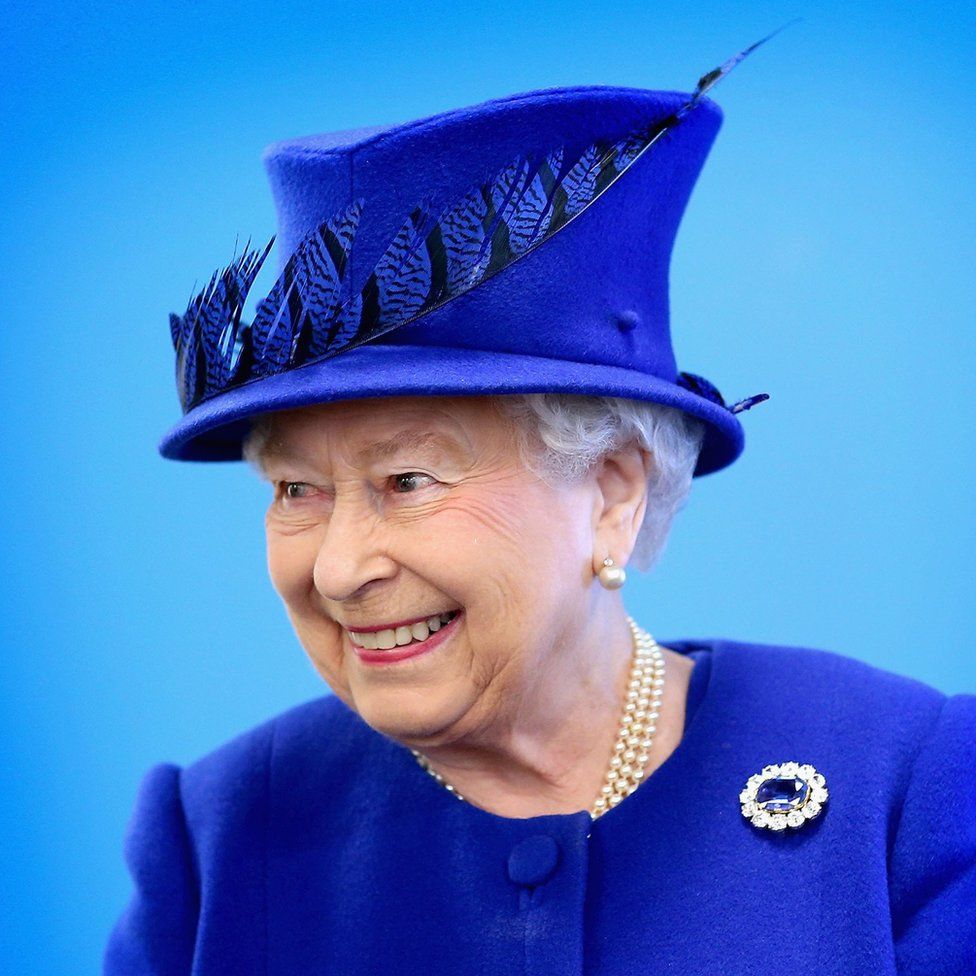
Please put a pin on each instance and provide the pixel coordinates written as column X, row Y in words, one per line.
column 596, row 291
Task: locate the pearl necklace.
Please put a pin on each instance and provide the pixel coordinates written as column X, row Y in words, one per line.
column 635, row 736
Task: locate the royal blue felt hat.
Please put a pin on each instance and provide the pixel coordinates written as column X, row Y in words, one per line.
column 520, row 245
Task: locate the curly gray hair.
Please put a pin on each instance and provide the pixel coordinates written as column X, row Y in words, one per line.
column 562, row 436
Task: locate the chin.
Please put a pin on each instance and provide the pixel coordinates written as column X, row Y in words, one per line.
column 407, row 715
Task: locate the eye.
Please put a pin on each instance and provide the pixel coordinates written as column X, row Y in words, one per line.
column 293, row 489
column 292, row 493
column 410, row 481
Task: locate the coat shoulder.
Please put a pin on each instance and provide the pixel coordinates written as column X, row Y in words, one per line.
column 855, row 702
column 233, row 780
column 823, row 672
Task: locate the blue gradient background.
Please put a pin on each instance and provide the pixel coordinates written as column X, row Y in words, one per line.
column 826, row 258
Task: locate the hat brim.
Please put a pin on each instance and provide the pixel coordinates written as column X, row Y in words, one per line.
column 215, row 429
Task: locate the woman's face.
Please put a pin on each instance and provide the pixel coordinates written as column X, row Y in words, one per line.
column 401, row 509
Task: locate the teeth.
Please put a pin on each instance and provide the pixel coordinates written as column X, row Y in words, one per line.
column 403, row 635
column 400, row 636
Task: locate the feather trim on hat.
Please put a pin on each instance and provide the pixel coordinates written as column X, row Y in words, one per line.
column 312, row 313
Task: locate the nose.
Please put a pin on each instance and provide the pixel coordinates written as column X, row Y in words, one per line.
column 352, row 553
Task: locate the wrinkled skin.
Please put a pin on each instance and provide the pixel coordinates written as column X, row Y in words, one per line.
column 519, row 707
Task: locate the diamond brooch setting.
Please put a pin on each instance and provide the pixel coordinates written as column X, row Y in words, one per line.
column 783, row 795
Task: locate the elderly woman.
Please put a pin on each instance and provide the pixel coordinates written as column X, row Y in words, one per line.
column 463, row 392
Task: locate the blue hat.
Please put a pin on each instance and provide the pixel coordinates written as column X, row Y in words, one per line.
column 519, row 245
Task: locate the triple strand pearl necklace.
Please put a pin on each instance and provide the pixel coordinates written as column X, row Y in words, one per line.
column 638, row 723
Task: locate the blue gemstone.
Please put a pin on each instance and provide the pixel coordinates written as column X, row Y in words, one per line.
column 781, row 795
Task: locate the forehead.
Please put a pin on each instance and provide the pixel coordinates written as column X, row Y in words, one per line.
column 371, row 429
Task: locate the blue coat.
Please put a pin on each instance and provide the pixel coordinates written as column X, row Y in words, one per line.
column 313, row 844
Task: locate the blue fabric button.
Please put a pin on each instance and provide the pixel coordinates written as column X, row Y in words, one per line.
column 533, row 860
column 626, row 321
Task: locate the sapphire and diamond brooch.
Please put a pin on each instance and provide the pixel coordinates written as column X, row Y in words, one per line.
column 783, row 795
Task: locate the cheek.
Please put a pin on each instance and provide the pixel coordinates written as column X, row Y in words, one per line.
column 291, row 561
column 548, row 529
column 477, row 525
column 480, row 540
column 511, row 553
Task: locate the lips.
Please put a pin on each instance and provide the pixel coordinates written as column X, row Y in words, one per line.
column 415, row 648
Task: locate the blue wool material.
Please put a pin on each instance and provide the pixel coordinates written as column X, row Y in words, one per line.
column 314, row 844
column 586, row 311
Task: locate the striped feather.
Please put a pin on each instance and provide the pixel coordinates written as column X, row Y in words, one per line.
column 462, row 238
column 401, row 281
column 206, row 335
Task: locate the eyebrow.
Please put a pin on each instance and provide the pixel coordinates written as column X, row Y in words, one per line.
column 405, row 440
column 408, row 440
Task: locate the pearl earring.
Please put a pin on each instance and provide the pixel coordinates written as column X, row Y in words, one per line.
column 611, row 577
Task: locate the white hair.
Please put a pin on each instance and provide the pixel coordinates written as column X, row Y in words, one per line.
column 563, row 435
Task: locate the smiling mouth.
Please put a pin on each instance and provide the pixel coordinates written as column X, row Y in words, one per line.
column 401, row 636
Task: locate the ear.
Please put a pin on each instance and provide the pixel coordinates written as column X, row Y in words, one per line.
column 620, row 501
